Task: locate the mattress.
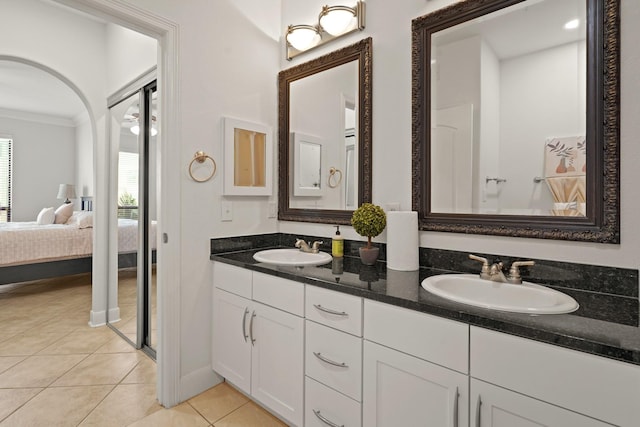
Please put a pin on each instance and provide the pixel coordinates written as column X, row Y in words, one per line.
column 26, row 242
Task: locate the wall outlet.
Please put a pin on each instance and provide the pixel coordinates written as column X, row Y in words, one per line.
column 272, row 210
column 392, row 206
column 226, row 213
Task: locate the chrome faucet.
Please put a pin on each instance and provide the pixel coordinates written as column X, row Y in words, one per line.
column 304, row 246
column 494, row 272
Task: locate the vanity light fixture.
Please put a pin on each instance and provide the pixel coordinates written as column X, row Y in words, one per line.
column 303, row 37
column 333, row 22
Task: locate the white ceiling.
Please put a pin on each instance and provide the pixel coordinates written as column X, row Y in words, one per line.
column 523, row 28
column 25, row 88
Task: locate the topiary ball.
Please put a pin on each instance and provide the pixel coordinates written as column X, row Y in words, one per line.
column 369, row 220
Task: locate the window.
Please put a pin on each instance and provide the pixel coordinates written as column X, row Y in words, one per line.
column 128, row 185
column 5, row 179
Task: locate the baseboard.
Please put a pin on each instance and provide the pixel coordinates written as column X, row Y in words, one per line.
column 97, row 318
column 198, row 381
column 114, row 315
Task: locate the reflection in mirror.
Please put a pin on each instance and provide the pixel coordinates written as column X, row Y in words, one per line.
column 249, row 157
column 132, row 256
column 324, row 140
column 350, row 163
column 307, row 165
column 315, row 103
column 489, row 77
column 509, row 101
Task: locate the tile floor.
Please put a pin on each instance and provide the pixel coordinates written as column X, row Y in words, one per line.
column 57, row 371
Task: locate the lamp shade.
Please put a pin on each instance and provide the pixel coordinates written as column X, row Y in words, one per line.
column 67, row 191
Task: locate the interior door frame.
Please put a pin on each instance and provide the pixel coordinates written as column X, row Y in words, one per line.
column 168, row 251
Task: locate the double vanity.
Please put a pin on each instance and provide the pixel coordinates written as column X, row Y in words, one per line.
column 343, row 344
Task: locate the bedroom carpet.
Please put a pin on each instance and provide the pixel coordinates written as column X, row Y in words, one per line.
column 57, row 371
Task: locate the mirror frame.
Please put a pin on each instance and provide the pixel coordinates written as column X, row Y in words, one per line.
column 361, row 52
column 602, row 221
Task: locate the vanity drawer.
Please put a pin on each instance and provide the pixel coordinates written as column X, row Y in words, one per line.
column 334, row 407
column 335, row 309
column 441, row 341
column 334, row 358
column 280, row 293
column 232, row 279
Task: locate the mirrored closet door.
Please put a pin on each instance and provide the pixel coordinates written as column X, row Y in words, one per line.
column 133, row 213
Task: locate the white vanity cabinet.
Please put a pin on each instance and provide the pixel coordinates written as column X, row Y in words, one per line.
column 333, row 358
column 414, row 369
column 540, row 384
column 498, row 407
column 259, row 347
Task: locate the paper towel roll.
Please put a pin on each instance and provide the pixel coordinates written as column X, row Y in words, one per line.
column 402, row 240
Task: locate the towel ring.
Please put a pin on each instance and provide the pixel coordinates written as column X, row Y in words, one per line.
column 332, row 174
column 201, row 157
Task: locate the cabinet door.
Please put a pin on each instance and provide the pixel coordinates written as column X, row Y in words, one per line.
column 498, row 407
column 402, row 390
column 277, row 361
column 231, row 347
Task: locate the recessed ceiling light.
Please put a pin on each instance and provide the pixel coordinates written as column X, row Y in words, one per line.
column 572, row 25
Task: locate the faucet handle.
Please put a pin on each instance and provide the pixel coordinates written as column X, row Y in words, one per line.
column 485, row 272
column 316, row 245
column 300, row 243
column 514, row 271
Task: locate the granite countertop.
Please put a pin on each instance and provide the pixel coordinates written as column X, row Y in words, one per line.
column 604, row 325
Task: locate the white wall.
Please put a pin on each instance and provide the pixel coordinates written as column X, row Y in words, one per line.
column 389, row 23
column 84, row 158
column 129, row 54
column 44, row 156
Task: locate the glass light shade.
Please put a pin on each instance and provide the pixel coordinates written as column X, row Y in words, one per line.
column 135, row 129
column 302, row 37
column 336, row 20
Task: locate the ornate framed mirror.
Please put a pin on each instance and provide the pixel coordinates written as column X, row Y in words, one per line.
column 324, row 136
column 516, row 119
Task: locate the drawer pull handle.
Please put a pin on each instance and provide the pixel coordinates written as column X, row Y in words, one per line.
column 455, row 408
column 244, row 324
column 325, row 420
column 328, row 310
column 329, row 361
column 478, row 405
column 253, row 340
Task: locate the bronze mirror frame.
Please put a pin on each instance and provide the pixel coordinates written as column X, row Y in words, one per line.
column 361, row 52
column 602, row 221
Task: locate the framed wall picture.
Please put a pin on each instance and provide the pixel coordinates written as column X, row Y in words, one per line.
column 248, row 158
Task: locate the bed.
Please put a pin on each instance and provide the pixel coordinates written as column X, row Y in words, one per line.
column 29, row 251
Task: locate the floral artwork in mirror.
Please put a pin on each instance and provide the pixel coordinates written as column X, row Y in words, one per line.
column 516, row 119
column 325, row 136
column 248, row 154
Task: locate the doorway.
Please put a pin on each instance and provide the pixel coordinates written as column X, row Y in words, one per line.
column 132, row 290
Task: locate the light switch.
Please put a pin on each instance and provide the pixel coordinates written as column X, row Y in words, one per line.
column 273, row 210
column 226, row 210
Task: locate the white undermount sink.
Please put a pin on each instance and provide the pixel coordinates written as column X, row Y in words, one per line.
column 292, row 257
column 523, row 298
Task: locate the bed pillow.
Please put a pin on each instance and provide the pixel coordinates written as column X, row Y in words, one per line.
column 81, row 219
column 63, row 213
column 46, row 216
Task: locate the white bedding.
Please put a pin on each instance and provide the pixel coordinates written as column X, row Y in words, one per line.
column 26, row 242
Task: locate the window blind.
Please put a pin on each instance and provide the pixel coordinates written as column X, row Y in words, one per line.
column 5, row 179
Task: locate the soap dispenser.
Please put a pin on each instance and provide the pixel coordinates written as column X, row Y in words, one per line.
column 337, row 244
